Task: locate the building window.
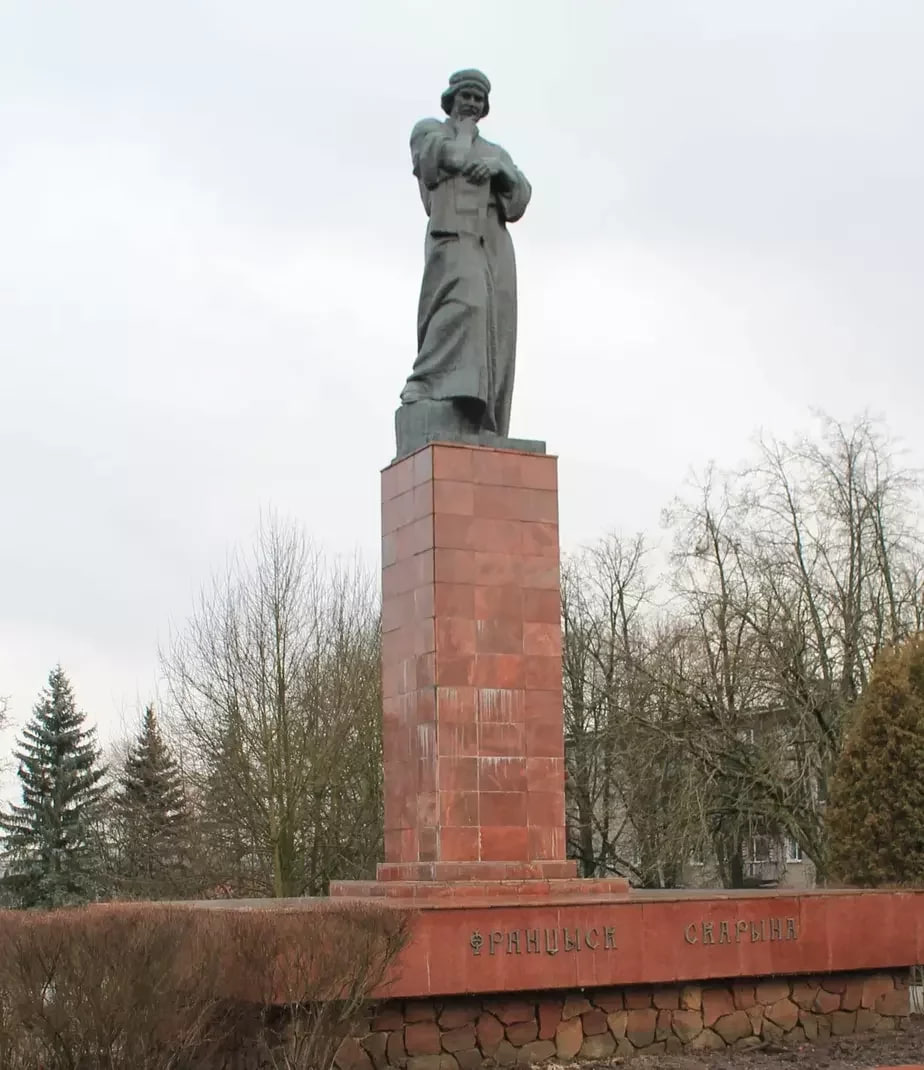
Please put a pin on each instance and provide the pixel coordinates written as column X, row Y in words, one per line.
column 793, row 850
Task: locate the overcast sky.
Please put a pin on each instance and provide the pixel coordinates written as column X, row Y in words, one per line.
column 211, row 245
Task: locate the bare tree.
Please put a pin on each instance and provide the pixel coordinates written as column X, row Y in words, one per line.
column 704, row 712
column 274, row 685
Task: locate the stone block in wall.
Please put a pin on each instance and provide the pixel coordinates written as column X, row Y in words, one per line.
column 422, row 1038
column 568, row 1038
column 574, row 1006
column 803, row 994
column 687, row 1025
column 549, row 1015
column 489, row 1032
column 511, row 1011
column 387, row 1018
column 743, row 996
column 432, row 1062
column 809, row 1024
column 609, row 1000
column 843, row 1023
column 375, row 1044
column 666, row 999
column 395, row 1049
column 637, row 999
column 458, row 1013
column 419, row 1010
column 732, row 1027
column 771, row 991
column 867, row 1020
column 663, row 1028
column 826, row 1002
column 593, row 1023
column 756, row 1014
column 717, row 1002
column 521, row 1033
column 469, row 1060
column 617, row 1022
column 852, row 996
column 707, row 1041
column 641, row 1026
column 691, row 998
column 771, row 1032
column 459, row 1039
column 601, row 1046
column 505, row 1055
column 537, row 1051
column 895, row 1002
column 874, row 987
column 783, row 1013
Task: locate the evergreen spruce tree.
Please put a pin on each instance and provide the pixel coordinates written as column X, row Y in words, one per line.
column 154, row 818
column 50, row 854
column 875, row 817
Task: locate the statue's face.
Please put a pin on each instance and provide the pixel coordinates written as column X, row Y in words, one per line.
column 468, row 103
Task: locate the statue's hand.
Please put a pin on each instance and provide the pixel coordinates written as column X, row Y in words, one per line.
column 477, row 172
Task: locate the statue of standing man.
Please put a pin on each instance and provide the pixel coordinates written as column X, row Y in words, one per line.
column 461, row 384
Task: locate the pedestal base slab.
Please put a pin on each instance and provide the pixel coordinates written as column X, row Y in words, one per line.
column 471, row 893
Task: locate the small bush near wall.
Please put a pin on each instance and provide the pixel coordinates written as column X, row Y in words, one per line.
column 134, row 987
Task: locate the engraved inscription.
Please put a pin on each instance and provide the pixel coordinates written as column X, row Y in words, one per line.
column 767, row 930
column 543, row 941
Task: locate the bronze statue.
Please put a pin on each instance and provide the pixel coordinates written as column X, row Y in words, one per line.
column 461, row 384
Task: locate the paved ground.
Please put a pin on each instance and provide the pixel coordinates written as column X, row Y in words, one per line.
column 862, row 1052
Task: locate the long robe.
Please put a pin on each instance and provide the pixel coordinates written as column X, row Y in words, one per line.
column 467, row 316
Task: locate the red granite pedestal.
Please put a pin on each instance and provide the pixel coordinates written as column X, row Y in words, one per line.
column 472, row 689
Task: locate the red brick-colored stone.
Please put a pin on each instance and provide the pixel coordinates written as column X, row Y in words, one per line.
column 772, row 991
column 422, row 1038
column 826, row 1002
column 895, row 1003
column 387, row 1019
column 511, row 1012
column 568, row 1038
column 522, row 1033
column 608, row 999
column 666, row 998
column 489, row 1032
column 641, row 1026
column 459, row 1013
column 783, row 1013
column 459, row 1039
column 593, row 1022
column 549, row 1013
column 420, row 1010
column 637, row 998
column 743, row 995
column 875, row 987
column 687, row 1024
column 717, row 1002
column 732, row 1027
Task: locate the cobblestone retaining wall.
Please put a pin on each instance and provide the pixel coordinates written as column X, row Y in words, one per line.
column 531, row 1028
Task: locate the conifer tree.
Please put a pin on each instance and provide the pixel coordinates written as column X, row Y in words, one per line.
column 50, row 854
column 153, row 816
column 876, row 813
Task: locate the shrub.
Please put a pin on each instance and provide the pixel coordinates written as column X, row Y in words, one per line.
column 134, row 987
column 876, row 813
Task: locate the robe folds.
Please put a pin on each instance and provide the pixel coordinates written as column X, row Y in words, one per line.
column 467, row 316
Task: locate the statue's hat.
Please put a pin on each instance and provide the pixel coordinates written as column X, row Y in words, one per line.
column 470, row 76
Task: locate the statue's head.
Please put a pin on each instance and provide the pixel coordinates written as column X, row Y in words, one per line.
column 467, row 95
